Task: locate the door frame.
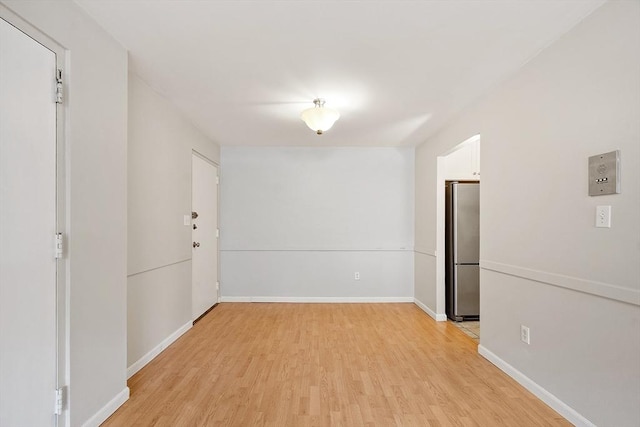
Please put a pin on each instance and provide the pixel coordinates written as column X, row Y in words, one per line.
column 196, row 153
column 63, row 325
column 441, row 180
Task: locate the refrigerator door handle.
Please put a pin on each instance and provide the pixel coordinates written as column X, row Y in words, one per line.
column 454, row 221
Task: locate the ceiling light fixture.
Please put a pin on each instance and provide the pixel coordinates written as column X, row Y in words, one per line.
column 319, row 118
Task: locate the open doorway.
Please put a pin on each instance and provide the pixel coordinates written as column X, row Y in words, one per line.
column 457, row 289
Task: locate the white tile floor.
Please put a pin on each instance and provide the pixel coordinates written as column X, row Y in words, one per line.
column 471, row 328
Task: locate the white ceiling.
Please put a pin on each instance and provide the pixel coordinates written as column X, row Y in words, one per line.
column 397, row 71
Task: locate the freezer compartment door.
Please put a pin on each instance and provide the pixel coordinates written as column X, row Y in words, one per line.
column 467, row 291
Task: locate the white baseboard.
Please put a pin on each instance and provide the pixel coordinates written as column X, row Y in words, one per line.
column 436, row 317
column 556, row 404
column 108, row 409
column 235, row 299
column 140, row 363
column 318, row 299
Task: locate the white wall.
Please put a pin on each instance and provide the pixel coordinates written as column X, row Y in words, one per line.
column 96, row 150
column 297, row 223
column 161, row 141
column 543, row 263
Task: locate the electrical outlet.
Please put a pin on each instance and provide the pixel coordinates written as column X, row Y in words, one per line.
column 524, row 334
column 356, row 276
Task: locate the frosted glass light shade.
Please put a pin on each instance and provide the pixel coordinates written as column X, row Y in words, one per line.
column 319, row 118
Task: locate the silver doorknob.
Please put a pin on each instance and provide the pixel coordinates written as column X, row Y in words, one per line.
column 196, row 244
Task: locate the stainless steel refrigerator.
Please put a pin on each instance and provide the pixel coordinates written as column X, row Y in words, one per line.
column 462, row 229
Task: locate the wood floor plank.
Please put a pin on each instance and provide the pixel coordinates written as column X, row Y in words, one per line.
column 326, row 365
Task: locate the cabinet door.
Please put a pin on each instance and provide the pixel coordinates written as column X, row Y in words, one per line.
column 458, row 164
column 464, row 164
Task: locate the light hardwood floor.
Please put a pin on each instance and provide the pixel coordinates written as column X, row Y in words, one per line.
column 326, row 365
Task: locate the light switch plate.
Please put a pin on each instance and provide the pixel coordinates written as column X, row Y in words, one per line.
column 187, row 220
column 604, row 174
column 603, row 216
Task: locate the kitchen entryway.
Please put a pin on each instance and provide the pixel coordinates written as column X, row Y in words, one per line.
column 470, row 328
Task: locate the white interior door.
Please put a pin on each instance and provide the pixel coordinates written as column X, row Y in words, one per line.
column 27, row 230
column 204, row 232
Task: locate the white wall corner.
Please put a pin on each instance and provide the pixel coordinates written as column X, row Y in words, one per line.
column 108, row 409
column 556, row 404
column 144, row 360
column 437, row 317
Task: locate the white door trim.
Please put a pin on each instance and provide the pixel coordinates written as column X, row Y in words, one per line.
column 205, row 158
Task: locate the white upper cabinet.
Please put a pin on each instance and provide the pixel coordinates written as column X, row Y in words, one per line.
column 464, row 163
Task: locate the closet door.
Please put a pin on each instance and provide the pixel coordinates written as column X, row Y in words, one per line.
column 27, row 230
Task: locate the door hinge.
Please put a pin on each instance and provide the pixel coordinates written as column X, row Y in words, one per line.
column 59, row 404
column 58, row 86
column 217, row 180
column 217, row 233
column 59, row 245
